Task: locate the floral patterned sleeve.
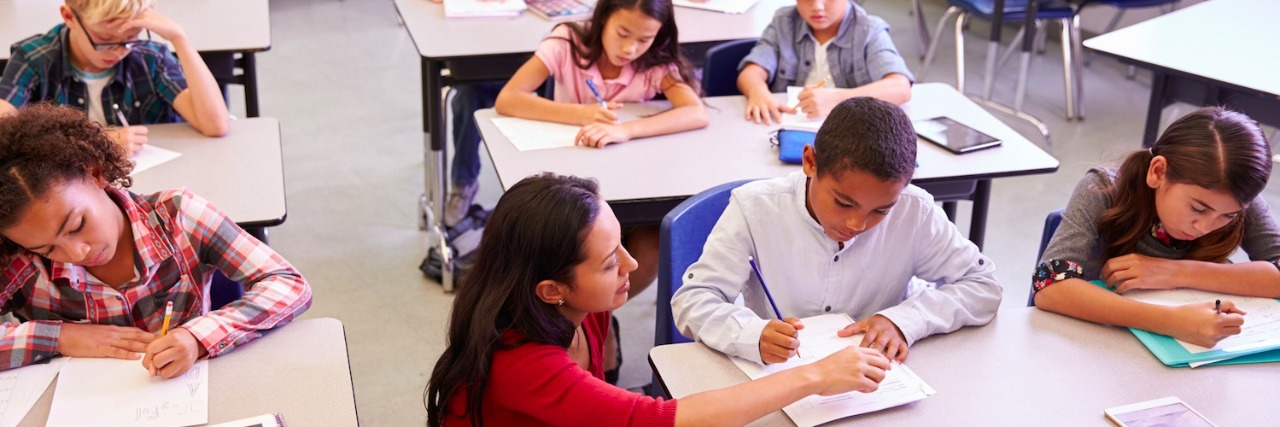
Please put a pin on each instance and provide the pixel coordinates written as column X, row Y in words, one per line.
column 1055, row 270
column 1070, row 252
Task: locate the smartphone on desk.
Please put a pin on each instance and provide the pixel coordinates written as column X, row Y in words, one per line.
column 1165, row 412
column 954, row 136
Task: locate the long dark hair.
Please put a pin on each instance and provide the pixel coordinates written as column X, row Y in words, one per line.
column 1213, row 148
column 536, row 233
column 42, row 145
column 665, row 49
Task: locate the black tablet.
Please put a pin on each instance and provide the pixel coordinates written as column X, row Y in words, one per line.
column 953, row 135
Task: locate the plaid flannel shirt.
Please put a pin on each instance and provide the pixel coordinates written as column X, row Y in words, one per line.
column 145, row 84
column 180, row 238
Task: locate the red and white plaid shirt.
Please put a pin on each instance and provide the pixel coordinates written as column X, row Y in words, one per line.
column 180, row 239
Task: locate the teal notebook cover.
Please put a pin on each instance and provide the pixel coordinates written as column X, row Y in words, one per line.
column 1173, row 354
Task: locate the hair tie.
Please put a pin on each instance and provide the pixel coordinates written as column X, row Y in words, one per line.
column 1151, row 151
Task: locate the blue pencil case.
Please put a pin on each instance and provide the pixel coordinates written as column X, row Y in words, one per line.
column 791, row 144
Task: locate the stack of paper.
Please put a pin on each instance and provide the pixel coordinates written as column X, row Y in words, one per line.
column 483, row 8
column 21, row 388
column 818, row 340
column 726, row 6
column 799, row 121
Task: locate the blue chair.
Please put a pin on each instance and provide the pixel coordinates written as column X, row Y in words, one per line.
column 720, row 73
column 1015, row 11
column 223, row 291
column 683, row 234
column 1051, row 223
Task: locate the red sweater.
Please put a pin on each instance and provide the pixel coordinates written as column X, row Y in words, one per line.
column 538, row 384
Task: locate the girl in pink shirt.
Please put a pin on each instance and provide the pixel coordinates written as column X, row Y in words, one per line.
column 629, row 51
column 525, row 335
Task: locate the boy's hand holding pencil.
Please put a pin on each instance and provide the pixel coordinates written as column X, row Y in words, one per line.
column 780, row 340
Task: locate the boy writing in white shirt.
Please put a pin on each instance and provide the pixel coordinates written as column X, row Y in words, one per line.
column 846, row 235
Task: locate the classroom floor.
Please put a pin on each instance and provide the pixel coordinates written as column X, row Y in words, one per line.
column 343, row 78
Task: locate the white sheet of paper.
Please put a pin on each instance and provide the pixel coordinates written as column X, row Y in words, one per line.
column 152, row 156
column 529, row 135
column 1261, row 321
column 818, row 340
column 726, row 6
column 118, row 392
column 799, row 121
column 21, row 388
column 483, row 9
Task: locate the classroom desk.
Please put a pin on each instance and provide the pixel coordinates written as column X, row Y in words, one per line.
column 227, row 26
column 300, row 371
column 1028, row 367
column 643, row 179
column 1212, row 53
column 242, row 173
column 470, row 53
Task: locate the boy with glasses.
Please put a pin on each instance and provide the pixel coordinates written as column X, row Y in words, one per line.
column 102, row 60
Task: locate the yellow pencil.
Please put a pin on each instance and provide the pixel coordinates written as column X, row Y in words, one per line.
column 168, row 313
column 820, row 84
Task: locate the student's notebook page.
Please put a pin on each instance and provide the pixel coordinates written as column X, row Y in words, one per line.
column 529, row 135
column 818, row 340
column 118, row 392
column 151, row 156
column 1261, row 327
column 726, row 6
column 483, row 8
column 799, row 120
column 21, row 388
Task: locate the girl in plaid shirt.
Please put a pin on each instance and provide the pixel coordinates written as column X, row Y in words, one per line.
column 89, row 267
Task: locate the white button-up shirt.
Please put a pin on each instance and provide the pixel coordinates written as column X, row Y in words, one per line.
column 809, row 274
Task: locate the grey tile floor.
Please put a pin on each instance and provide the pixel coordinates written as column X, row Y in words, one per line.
column 343, row 79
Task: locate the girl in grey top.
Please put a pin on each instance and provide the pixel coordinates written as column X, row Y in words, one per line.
column 1168, row 218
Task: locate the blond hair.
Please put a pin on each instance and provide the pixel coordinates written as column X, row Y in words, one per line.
column 94, row 11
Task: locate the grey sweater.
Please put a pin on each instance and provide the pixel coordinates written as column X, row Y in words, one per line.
column 1077, row 240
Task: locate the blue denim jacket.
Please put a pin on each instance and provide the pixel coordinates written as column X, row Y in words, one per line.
column 861, row 52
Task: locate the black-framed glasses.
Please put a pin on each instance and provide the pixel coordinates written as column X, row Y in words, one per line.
column 103, row 47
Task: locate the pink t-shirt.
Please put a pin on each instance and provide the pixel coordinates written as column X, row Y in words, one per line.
column 571, row 81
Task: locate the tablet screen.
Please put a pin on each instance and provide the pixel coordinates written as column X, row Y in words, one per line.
column 1175, row 414
column 953, row 135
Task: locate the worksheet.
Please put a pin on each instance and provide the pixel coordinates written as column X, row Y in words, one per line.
column 818, row 340
column 20, row 389
column 1261, row 322
column 119, row 392
column 529, row 135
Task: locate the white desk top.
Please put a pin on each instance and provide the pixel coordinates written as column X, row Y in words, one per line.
column 1028, row 367
column 1230, row 41
column 437, row 37
column 732, row 149
column 300, row 371
column 212, row 25
column 242, row 173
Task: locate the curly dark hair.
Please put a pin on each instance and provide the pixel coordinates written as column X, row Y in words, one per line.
column 43, row 145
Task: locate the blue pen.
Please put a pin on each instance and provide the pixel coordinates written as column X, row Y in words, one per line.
column 594, row 91
column 755, row 268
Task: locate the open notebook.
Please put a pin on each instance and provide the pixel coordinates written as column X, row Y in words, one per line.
column 818, row 340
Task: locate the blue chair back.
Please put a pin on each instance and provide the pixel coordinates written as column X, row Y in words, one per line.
column 1050, row 226
column 683, row 234
column 223, row 291
column 720, row 73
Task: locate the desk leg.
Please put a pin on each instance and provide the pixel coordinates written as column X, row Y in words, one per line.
column 1159, row 86
column 258, row 232
column 250, row 65
column 950, row 209
column 435, row 172
column 981, row 202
